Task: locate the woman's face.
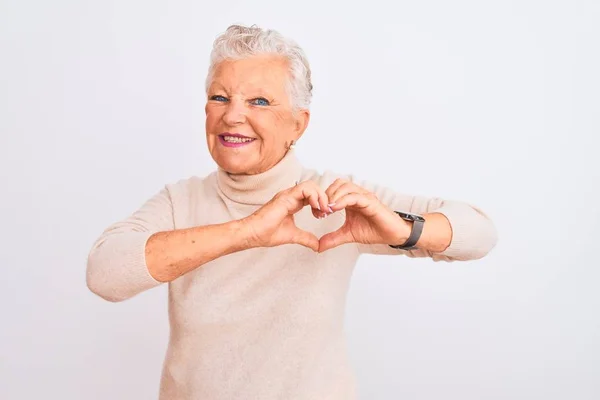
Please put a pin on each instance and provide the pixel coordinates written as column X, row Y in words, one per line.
column 248, row 98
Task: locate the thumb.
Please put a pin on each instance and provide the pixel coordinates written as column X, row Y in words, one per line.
column 333, row 239
column 305, row 238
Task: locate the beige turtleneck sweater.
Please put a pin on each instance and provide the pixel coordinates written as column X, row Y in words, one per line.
column 263, row 323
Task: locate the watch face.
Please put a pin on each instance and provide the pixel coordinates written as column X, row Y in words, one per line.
column 410, row 217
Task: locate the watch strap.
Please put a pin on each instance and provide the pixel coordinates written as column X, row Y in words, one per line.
column 417, row 228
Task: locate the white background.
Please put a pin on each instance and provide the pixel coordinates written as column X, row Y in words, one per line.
column 491, row 102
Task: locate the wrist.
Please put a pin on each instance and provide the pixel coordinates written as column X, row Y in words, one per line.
column 245, row 234
column 411, row 231
column 403, row 230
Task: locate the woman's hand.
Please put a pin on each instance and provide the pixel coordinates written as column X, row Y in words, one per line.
column 273, row 224
column 367, row 219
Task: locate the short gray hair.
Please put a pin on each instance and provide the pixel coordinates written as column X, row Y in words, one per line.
column 239, row 42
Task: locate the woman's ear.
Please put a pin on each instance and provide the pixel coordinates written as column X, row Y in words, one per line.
column 302, row 117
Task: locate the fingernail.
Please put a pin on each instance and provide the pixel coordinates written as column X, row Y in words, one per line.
column 330, row 210
column 331, row 204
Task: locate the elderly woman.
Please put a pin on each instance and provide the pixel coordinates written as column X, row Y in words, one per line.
column 258, row 255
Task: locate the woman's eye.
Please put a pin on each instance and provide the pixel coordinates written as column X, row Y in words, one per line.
column 260, row 101
column 218, row 98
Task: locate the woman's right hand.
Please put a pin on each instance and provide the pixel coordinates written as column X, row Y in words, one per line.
column 273, row 224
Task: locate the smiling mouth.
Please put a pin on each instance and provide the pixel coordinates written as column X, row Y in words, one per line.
column 236, row 139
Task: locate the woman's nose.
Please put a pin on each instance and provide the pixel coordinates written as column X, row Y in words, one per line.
column 235, row 113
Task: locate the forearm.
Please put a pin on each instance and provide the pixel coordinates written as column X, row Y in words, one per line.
column 455, row 231
column 435, row 237
column 437, row 233
column 174, row 253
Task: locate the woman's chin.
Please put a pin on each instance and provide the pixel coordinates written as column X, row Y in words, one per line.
column 235, row 165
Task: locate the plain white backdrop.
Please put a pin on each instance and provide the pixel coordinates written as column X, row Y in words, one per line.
column 495, row 103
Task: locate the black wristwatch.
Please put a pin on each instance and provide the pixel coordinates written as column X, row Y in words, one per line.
column 417, row 228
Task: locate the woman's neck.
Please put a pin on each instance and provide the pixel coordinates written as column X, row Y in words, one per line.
column 259, row 188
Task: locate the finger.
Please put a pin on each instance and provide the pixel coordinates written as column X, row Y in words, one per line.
column 323, row 201
column 306, row 239
column 334, row 239
column 354, row 200
column 312, row 196
column 318, row 213
column 299, row 196
column 302, row 192
column 334, row 186
column 345, row 189
column 316, row 197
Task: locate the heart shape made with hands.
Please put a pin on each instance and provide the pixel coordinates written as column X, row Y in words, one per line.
column 367, row 219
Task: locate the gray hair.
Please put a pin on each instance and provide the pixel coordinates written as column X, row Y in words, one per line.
column 239, row 42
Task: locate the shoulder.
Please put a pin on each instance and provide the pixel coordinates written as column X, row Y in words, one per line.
column 191, row 186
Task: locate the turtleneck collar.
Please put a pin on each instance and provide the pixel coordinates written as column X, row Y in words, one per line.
column 258, row 189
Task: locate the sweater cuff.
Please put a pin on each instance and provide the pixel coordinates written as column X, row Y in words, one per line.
column 467, row 242
column 117, row 268
column 134, row 254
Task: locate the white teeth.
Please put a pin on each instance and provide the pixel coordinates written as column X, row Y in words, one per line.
column 235, row 139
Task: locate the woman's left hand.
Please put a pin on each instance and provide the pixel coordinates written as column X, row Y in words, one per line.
column 367, row 219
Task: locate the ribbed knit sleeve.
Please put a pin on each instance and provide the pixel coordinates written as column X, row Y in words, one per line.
column 474, row 234
column 116, row 265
